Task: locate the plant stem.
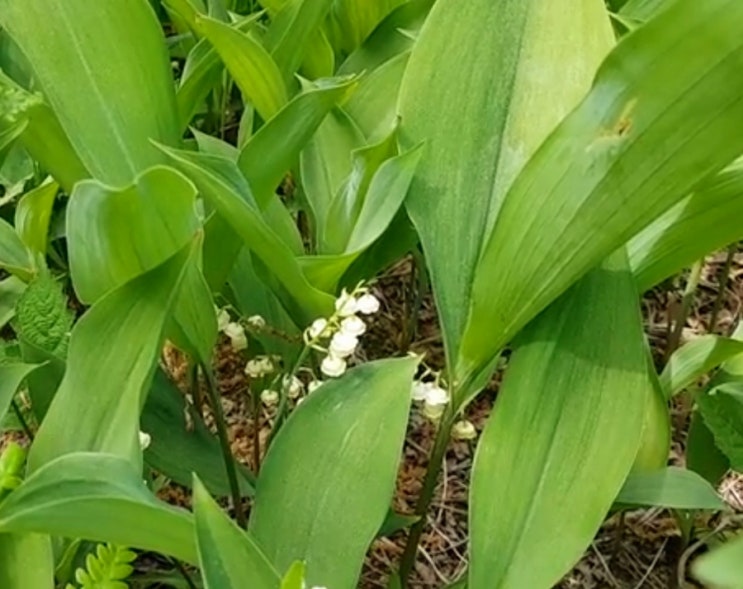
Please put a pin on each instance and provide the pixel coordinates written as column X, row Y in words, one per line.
column 184, row 573
column 22, row 420
column 255, row 395
column 196, row 394
column 722, row 283
column 281, row 409
column 436, row 459
column 686, row 300
column 224, row 442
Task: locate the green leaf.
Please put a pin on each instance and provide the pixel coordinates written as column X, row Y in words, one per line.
column 326, row 161
column 703, row 222
column 228, row 557
column 42, row 317
column 481, row 123
column 14, row 257
column 702, row 454
column 99, row 497
column 723, row 567
column 294, row 577
column 42, row 137
column 105, row 71
column 722, row 410
column 273, row 150
column 177, row 450
column 11, row 289
column 696, row 358
column 389, row 39
column 672, row 487
column 609, row 169
column 358, row 420
column 565, row 427
column 104, row 385
column 373, row 107
column 11, row 378
column 117, row 234
column 26, row 562
column 217, row 180
column 292, row 30
column 254, row 70
column 202, row 72
column 32, row 216
column 354, row 20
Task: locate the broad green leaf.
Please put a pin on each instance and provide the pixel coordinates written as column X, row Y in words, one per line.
column 354, row 20
column 254, row 70
column 672, row 487
column 703, row 222
column 117, row 234
column 43, row 136
column 215, row 179
column 702, row 454
column 565, row 427
column 26, row 562
column 14, row 257
column 45, row 380
column 642, row 11
column 11, row 378
column 104, row 69
column 655, row 441
column 373, row 107
column 326, row 161
column 112, row 353
column 609, row 169
column 33, row 214
column 723, row 567
column 42, row 316
column 343, row 210
column 11, row 289
column 696, row 358
column 291, row 31
column 294, row 577
column 202, row 72
column 389, row 39
column 274, row 149
column 319, row 60
column 722, row 410
column 483, row 103
column 228, row 557
column 98, row 497
column 350, row 432
column 179, row 449
column 377, row 208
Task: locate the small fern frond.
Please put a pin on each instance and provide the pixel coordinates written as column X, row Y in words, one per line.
column 108, row 568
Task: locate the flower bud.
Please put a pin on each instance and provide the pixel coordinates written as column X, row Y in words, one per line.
column 313, row 385
column 464, row 430
column 144, row 440
column 269, row 397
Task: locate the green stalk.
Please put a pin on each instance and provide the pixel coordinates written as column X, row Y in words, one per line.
column 686, row 300
column 722, row 283
column 224, row 442
column 436, row 459
column 281, row 409
column 22, row 420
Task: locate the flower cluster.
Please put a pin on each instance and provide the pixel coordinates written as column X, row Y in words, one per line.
column 342, row 330
column 259, row 367
column 232, row 329
column 433, row 396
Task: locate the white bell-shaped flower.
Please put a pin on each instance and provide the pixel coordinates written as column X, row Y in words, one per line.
column 293, row 386
column 144, row 440
column 223, row 319
column 333, row 366
column 343, row 344
column 236, row 333
column 367, row 304
column 319, row 328
column 464, row 430
column 256, row 322
column 313, row 385
column 254, row 368
column 269, row 397
column 420, row 390
column 345, row 305
column 353, row 325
